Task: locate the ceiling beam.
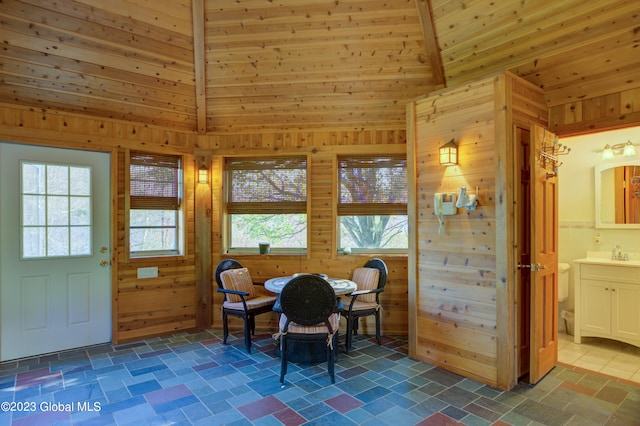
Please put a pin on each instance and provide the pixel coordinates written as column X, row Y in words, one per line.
column 197, row 7
column 430, row 41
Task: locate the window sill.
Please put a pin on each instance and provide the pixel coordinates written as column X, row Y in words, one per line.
column 163, row 257
column 265, row 256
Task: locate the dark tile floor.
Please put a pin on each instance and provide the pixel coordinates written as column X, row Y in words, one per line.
column 192, row 379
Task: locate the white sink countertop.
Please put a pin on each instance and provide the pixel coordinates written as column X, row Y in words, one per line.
column 604, row 258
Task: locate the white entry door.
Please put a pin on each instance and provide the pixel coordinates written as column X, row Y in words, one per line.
column 55, row 279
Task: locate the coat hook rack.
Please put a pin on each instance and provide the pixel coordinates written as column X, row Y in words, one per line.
column 549, row 156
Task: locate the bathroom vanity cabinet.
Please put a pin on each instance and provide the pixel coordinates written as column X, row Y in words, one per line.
column 607, row 299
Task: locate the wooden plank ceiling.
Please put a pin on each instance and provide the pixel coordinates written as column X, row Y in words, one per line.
column 258, row 65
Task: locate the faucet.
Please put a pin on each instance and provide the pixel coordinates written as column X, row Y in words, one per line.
column 616, row 254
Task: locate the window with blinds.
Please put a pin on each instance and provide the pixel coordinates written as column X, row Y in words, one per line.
column 154, row 203
column 154, row 181
column 266, row 201
column 372, row 202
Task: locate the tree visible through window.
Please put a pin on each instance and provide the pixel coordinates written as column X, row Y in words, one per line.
column 154, row 204
column 372, row 204
column 267, row 202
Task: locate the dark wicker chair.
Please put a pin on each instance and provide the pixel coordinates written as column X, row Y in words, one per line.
column 309, row 314
column 241, row 298
column 365, row 301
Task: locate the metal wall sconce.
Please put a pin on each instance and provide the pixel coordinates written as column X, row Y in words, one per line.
column 203, row 175
column 449, row 154
column 627, row 149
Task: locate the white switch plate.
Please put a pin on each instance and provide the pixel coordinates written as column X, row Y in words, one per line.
column 151, row 272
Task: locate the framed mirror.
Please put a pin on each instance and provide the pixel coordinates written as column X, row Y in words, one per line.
column 617, row 195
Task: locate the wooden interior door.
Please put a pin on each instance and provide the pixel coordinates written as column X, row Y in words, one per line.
column 523, row 246
column 544, row 258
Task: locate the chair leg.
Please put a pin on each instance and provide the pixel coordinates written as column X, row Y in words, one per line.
column 283, row 357
column 378, row 327
column 225, row 328
column 355, row 325
column 348, row 336
column 332, row 354
column 253, row 325
column 247, row 333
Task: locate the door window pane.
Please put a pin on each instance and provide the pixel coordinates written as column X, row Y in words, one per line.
column 34, row 242
column 57, row 242
column 56, row 210
column 80, row 211
column 80, row 181
column 33, row 210
column 57, row 180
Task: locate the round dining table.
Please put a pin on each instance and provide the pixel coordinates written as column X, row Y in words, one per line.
column 339, row 285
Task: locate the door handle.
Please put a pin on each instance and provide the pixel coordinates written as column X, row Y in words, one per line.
column 533, row 267
column 104, row 263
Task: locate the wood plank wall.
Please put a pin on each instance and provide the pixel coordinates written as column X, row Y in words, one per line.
column 460, row 297
column 146, row 307
column 610, row 111
column 155, row 306
column 152, row 306
column 25, row 125
column 322, row 149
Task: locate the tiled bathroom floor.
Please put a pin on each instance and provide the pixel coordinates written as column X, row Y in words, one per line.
column 604, row 356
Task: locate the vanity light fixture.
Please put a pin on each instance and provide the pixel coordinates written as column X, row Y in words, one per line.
column 607, row 152
column 203, row 175
column 449, row 154
column 627, row 149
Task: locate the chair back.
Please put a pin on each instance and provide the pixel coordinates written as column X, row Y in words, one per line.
column 223, row 266
column 372, row 276
column 380, row 266
column 308, row 300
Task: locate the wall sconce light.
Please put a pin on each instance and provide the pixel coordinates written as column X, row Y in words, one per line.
column 449, row 154
column 203, row 175
column 627, row 149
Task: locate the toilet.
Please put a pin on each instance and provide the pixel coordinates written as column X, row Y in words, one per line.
column 563, row 281
column 563, row 294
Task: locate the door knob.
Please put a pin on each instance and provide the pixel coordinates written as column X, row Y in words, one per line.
column 533, row 267
column 104, row 263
